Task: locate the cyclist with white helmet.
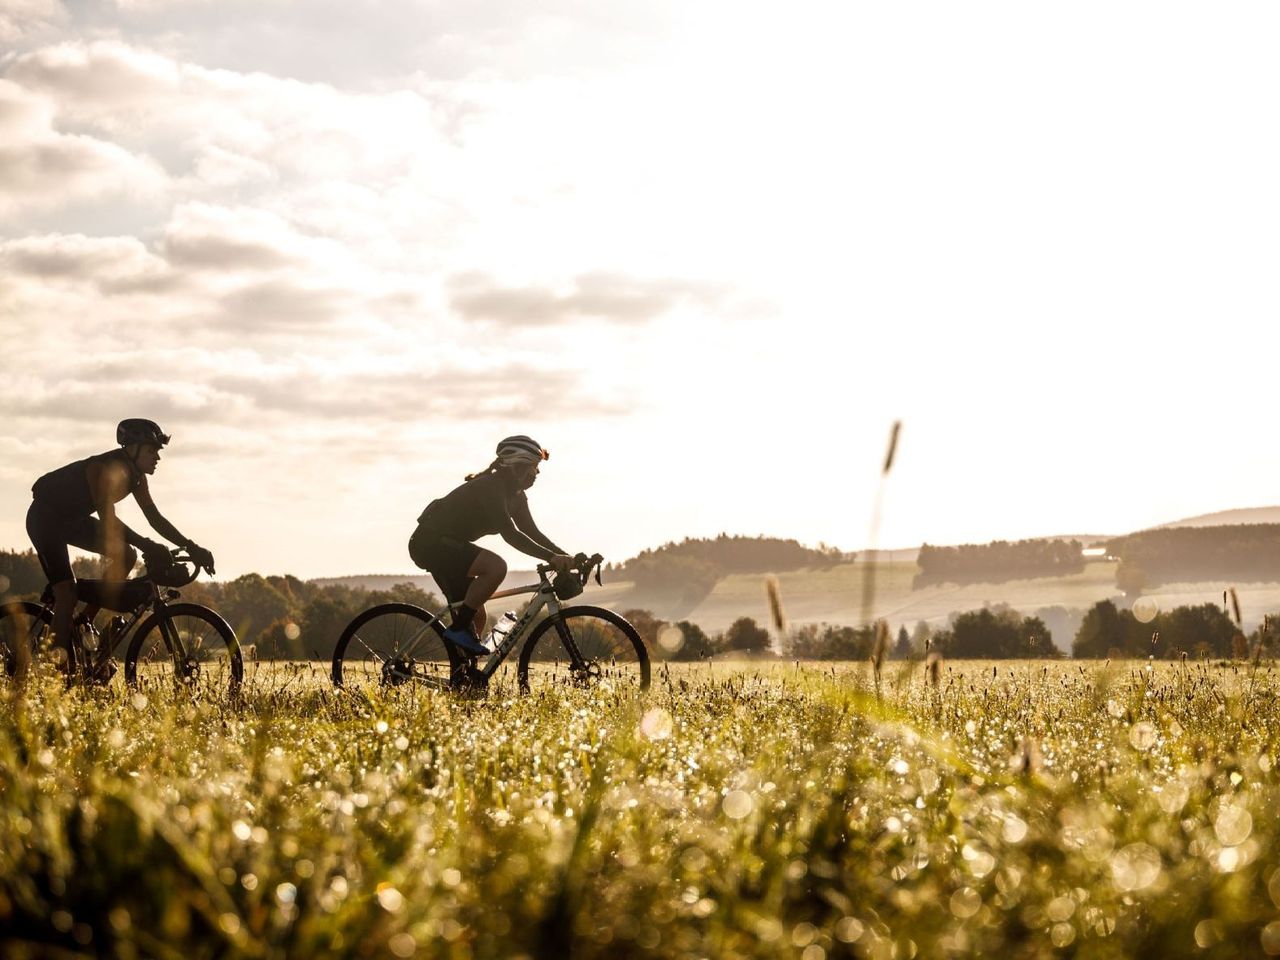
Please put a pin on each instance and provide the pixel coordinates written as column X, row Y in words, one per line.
column 491, row 501
column 62, row 508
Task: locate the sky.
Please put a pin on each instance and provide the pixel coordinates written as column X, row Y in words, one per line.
column 705, row 253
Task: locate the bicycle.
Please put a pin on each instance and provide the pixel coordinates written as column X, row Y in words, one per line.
column 398, row 643
column 184, row 640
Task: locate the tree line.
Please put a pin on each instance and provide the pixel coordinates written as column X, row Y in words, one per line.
column 998, row 561
column 682, row 574
column 1234, row 553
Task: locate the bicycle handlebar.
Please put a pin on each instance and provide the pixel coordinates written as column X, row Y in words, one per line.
column 582, row 565
column 178, row 557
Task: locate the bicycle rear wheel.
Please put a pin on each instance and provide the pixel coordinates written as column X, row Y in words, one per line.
column 186, row 644
column 27, row 623
column 394, row 644
column 585, row 646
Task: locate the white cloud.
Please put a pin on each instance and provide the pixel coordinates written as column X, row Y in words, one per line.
column 21, row 19
column 41, row 167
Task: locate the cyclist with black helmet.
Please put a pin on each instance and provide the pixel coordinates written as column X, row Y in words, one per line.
column 62, row 508
column 491, row 501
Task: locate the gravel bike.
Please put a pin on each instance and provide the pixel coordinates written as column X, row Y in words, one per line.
column 398, row 643
column 185, row 642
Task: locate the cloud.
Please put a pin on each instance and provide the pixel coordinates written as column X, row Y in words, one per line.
column 41, row 167
column 612, row 297
column 20, row 19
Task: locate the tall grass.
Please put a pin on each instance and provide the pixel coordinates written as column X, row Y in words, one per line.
column 732, row 812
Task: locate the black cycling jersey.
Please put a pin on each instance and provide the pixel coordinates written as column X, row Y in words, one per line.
column 65, row 491
column 490, row 503
column 61, row 514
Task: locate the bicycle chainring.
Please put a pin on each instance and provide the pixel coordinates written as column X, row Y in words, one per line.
column 397, row 672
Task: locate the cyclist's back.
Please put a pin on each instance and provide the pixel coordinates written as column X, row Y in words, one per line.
column 475, row 509
column 66, row 491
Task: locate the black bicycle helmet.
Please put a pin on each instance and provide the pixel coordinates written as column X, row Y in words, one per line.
column 135, row 430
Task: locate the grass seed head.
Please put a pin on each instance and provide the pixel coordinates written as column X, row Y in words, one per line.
column 775, row 604
column 893, row 446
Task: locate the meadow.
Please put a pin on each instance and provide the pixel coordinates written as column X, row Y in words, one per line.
column 735, row 810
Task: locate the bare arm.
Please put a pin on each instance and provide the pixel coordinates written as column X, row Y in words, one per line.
column 149, row 510
column 523, row 520
column 522, row 543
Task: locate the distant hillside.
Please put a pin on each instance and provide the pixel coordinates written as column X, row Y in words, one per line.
column 424, row 581
column 1233, row 552
column 676, row 576
column 1228, row 518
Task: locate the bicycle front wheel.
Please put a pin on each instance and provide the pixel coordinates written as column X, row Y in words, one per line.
column 394, row 644
column 186, row 644
column 23, row 624
column 585, row 646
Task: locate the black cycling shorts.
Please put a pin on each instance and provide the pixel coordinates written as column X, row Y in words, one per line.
column 446, row 559
column 52, row 533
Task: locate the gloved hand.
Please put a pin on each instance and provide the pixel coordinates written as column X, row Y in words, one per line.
column 201, row 557
column 155, row 555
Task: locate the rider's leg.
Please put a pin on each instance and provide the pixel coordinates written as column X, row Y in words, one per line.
column 50, row 534
column 485, row 574
column 64, row 606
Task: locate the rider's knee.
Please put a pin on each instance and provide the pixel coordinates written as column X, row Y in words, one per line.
column 496, row 566
column 128, row 559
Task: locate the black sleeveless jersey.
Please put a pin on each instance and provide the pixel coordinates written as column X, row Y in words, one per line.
column 479, row 507
column 66, row 489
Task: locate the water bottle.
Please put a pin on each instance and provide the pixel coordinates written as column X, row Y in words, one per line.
column 501, row 629
column 88, row 635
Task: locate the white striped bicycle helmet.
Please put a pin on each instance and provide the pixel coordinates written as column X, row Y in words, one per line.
column 521, row 449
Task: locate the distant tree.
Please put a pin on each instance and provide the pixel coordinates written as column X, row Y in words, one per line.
column 648, row 626
column 323, row 619
column 697, row 644
column 830, row 642
column 20, row 573
column 1186, row 628
column 997, row 633
column 902, row 649
column 746, row 636
column 1203, row 630
column 251, row 604
column 1266, row 636
column 1232, row 552
column 998, row 561
column 1101, row 631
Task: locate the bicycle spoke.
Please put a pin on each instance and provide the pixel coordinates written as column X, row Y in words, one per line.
column 391, row 645
column 595, row 645
column 372, row 652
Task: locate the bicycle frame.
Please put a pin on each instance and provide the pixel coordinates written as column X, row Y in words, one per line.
column 108, row 645
column 154, row 604
column 544, row 597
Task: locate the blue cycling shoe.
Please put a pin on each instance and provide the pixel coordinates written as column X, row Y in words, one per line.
column 466, row 641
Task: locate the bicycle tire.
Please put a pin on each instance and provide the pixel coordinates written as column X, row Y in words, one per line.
column 395, row 643
column 611, row 649
column 211, row 647
column 12, row 624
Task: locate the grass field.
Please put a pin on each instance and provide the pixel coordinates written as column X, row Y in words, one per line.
column 1020, row 809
